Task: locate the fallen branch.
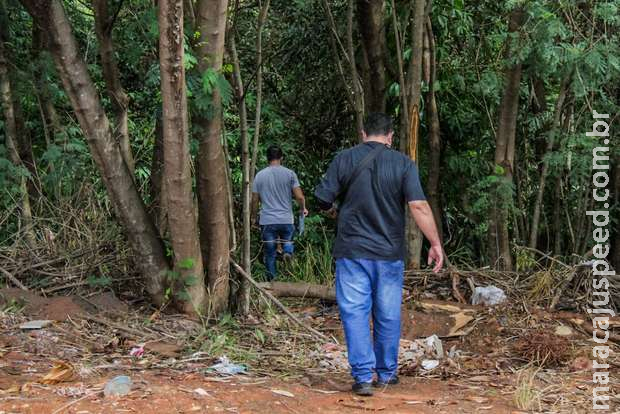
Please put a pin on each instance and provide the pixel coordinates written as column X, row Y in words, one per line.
column 300, row 290
column 13, row 279
column 279, row 304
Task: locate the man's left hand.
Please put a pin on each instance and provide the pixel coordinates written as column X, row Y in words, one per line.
column 435, row 254
column 305, row 212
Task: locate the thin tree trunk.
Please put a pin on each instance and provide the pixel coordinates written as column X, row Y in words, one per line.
column 504, row 155
column 212, row 185
column 103, row 29
column 246, row 262
column 355, row 78
column 262, row 16
column 434, row 172
column 557, row 217
column 401, row 71
column 49, row 116
column 409, row 140
column 183, row 224
column 139, row 229
column 555, row 129
column 11, row 140
column 157, row 188
column 372, row 30
column 355, row 92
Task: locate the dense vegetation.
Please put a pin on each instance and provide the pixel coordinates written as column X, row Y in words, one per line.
column 503, row 91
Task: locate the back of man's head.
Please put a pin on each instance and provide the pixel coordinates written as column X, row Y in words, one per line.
column 378, row 123
column 274, row 153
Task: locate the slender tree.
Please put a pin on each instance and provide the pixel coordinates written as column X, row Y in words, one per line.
column 183, row 223
column 212, row 168
column 12, row 136
column 372, row 30
column 505, row 150
column 146, row 246
column 104, row 23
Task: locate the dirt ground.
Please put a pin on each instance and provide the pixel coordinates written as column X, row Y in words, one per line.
column 486, row 378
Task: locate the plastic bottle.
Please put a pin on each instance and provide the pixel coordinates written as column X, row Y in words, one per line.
column 118, row 386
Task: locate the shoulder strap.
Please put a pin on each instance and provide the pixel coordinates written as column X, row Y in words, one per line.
column 360, row 167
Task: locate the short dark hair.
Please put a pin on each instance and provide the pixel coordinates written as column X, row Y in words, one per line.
column 378, row 123
column 274, row 153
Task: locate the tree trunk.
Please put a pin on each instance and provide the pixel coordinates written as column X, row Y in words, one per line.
column 103, row 29
column 354, row 90
column 504, row 155
column 141, row 233
column 212, row 185
column 11, row 140
column 434, row 172
column 555, row 129
column 246, row 262
column 190, row 287
column 157, row 188
column 372, row 30
column 409, row 140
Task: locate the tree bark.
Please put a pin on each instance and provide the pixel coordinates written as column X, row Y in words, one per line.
column 212, row 185
column 157, row 187
column 103, row 30
column 188, row 265
column 409, row 139
column 504, row 154
column 372, row 30
column 434, row 172
column 555, row 129
column 146, row 246
column 11, row 140
column 246, row 196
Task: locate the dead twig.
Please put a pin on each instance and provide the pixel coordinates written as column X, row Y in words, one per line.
column 279, row 304
column 13, row 279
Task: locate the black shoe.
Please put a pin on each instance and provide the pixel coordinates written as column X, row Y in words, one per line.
column 362, row 388
column 391, row 381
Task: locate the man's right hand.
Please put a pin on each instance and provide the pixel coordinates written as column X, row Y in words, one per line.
column 435, row 254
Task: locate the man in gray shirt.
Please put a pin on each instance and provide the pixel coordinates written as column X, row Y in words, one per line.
column 274, row 186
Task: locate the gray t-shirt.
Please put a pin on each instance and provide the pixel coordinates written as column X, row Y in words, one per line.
column 274, row 185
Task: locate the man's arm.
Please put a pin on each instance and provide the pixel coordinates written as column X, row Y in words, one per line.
column 301, row 200
column 423, row 216
column 254, row 208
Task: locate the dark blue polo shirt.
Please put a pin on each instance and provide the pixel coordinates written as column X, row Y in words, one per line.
column 371, row 216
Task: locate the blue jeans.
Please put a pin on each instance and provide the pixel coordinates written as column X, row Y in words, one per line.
column 272, row 234
column 362, row 286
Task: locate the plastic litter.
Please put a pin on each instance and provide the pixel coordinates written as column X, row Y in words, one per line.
column 429, row 364
column 433, row 343
column 137, row 352
column 489, row 296
column 118, row 386
column 38, row 324
column 224, row 366
column 301, row 226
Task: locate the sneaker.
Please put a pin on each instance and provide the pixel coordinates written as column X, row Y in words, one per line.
column 362, row 388
column 391, row 381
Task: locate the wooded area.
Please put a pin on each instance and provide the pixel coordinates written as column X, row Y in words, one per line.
column 131, row 132
column 153, row 119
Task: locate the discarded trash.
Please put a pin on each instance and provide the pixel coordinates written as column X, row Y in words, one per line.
column 563, row 330
column 429, row 364
column 60, row 372
column 201, row 392
column 38, row 324
column 137, row 352
column 489, row 296
column 118, row 386
column 433, row 343
column 284, row 393
column 224, row 366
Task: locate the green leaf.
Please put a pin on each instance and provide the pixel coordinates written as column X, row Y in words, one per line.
column 186, row 264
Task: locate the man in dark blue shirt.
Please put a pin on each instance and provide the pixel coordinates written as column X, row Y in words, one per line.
column 372, row 192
